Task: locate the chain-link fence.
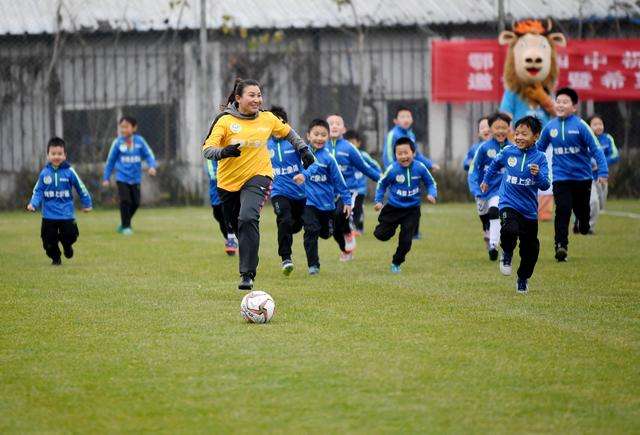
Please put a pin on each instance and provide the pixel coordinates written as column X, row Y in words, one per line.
column 77, row 84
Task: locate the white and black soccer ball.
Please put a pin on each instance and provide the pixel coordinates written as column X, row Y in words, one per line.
column 257, row 307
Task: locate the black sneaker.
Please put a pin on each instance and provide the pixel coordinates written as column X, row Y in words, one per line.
column 561, row 253
column 246, row 282
column 493, row 253
column 68, row 251
column 56, row 262
column 522, row 286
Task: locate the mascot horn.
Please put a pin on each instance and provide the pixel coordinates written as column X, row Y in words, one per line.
column 530, row 69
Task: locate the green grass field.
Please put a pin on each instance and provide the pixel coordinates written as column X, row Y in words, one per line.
column 144, row 333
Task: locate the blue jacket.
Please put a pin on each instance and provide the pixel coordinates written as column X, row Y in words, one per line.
column 388, row 150
column 212, row 171
column 349, row 161
column 404, row 184
column 519, row 189
column 53, row 192
column 128, row 162
column 324, row 181
column 362, row 181
column 610, row 151
column 286, row 164
column 485, row 153
column 573, row 145
column 469, row 157
column 513, row 103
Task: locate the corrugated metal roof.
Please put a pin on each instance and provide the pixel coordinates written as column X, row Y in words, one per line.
column 39, row 16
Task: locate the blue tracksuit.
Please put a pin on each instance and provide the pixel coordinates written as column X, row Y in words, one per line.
column 573, row 145
column 362, row 181
column 128, row 161
column 350, row 161
column 389, row 152
column 212, row 171
column 609, row 149
column 513, row 103
column 404, row 184
column 286, row 164
column 53, row 192
column 469, row 157
column 485, row 154
column 324, row 181
column 519, row 189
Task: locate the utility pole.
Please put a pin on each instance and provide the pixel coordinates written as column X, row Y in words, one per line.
column 501, row 25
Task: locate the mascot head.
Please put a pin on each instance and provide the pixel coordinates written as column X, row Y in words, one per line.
column 531, row 58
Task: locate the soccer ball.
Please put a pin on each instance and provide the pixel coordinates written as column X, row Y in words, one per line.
column 257, row 307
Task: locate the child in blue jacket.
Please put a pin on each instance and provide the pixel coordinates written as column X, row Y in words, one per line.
column 402, row 178
column 574, row 145
column 126, row 155
column 53, row 194
column 323, row 181
column 487, row 201
column 287, row 196
column 526, row 171
column 230, row 239
column 358, row 207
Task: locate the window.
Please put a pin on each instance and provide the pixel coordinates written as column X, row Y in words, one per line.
column 158, row 125
column 88, row 134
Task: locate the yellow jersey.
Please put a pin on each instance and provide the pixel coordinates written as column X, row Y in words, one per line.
column 252, row 135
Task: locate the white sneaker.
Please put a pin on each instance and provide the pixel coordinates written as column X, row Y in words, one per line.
column 349, row 242
column 505, row 263
column 346, row 256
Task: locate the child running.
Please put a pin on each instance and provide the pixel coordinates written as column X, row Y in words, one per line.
column 230, row 240
column 484, row 134
column 349, row 161
column 53, row 194
column 487, row 201
column 526, row 171
column 126, row 154
column 287, row 196
column 358, row 207
column 402, row 178
column 322, row 181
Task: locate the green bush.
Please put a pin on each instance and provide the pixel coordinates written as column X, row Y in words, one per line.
column 624, row 177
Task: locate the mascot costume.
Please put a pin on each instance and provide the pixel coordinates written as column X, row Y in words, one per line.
column 530, row 75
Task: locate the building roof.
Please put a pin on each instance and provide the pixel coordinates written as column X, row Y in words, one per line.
column 39, row 16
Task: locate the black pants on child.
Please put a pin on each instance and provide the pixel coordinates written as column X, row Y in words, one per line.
column 289, row 221
column 571, row 195
column 241, row 211
column 218, row 215
column 514, row 226
column 358, row 212
column 129, row 202
column 341, row 224
column 317, row 223
column 389, row 219
column 54, row 231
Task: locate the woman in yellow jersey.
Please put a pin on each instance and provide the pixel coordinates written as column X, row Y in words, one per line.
column 238, row 140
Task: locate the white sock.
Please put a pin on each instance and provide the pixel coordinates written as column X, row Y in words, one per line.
column 231, row 236
column 494, row 232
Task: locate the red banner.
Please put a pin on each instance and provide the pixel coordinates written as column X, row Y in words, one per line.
column 599, row 69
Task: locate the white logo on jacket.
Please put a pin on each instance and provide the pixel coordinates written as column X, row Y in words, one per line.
column 400, row 178
column 492, row 153
column 553, row 132
column 235, row 128
column 47, row 179
column 512, row 161
column 123, row 148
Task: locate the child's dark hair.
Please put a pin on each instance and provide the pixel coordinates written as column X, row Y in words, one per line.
column 353, row 134
column 56, row 142
column 569, row 93
column 318, row 123
column 280, row 113
column 404, row 140
column 594, row 116
column 130, row 119
column 482, row 118
column 530, row 121
column 498, row 116
column 402, row 109
column 238, row 89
